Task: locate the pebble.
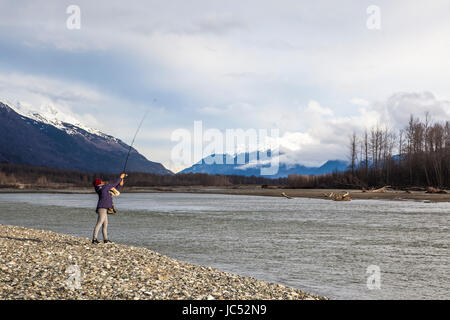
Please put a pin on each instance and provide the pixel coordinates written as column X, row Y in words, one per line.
column 39, row 264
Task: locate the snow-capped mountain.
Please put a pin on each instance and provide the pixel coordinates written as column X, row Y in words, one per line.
column 55, row 140
column 235, row 167
column 51, row 115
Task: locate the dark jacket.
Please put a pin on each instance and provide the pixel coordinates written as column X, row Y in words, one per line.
column 104, row 197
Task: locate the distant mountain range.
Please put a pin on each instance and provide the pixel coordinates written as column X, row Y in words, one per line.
column 33, row 139
column 37, row 139
column 246, row 170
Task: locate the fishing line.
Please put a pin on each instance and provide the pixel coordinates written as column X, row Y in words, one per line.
column 132, row 142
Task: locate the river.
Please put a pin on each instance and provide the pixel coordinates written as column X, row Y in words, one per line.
column 319, row 246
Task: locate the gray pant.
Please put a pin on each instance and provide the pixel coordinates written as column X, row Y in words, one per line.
column 102, row 220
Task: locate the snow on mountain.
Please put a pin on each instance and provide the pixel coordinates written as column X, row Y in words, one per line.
column 49, row 114
column 48, row 139
column 234, row 167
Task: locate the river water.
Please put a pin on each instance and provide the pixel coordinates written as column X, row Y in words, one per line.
column 320, row 246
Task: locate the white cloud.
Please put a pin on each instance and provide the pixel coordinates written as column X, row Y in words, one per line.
column 360, row 102
column 327, row 135
column 52, row 98
column 397, row 109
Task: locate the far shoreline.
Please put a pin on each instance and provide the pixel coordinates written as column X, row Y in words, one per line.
column 396, row 195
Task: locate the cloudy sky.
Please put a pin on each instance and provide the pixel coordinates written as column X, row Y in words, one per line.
column 313, row 69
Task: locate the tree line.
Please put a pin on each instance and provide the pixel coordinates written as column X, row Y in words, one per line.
column 416, row 156
column 14, row 175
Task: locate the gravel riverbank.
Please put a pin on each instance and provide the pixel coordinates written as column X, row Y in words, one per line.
column 38, row 264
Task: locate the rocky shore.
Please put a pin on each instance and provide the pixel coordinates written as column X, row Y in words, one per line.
column 38, row 264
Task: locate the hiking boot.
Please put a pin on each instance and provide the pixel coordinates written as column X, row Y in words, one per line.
column 95, row 241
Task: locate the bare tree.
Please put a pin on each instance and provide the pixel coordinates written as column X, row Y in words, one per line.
column 353, row 152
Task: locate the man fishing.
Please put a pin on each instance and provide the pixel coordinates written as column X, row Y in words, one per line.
column 104, row 204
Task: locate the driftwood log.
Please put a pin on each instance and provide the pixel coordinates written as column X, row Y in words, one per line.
column 339, row 196
column 435, row 190
column 285, row 195
column 382, row 189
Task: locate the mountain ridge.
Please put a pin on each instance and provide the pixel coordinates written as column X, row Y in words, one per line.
column 206, row 166
column 62, row 145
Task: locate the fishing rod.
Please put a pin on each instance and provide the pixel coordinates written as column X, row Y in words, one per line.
column 132, row 142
